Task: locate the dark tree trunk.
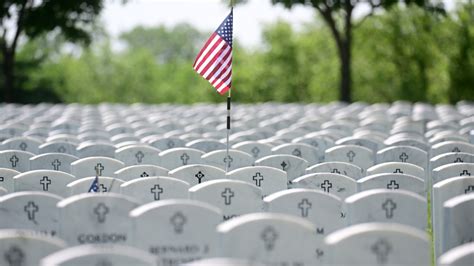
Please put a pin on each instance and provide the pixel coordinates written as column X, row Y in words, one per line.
column 345, row 58
column 343, row 40
column 8, row 75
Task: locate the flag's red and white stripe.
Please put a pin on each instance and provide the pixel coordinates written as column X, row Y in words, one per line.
column 214, row 61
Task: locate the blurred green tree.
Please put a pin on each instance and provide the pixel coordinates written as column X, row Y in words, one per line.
column 167, row 45
column 33, row 18
column 461, row 67
column 338, row 16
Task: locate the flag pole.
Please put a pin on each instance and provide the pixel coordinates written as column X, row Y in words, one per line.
column 228, row 113
column 228, row 129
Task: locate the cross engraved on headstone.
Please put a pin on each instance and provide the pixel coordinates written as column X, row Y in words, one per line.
column 23, row 146
column 31, row 209
column 184, row 158
column 61, row 149
column 258, row 178
column 144, row 174
column 284, row 165
column 14, row 160
column 255, row 151
column 381, row 249
column 393, row 185
column 465, row 172
column 14, row 256
column 458, row 160
column 101, row 210
column 199, row 175
column 456, row 149
column 56, row 163
column 304, row 206
column 398, row 171
column 45, row 182
column 335, row 171
column 269, row 237
column 351, row 155
column 469, row 189
column 139, row 155
column 403, row 157
column 227, row 194
column 178, row 220
column 297, row 152
column 156, row 191
column 228, row 160
column 326, row 185
column 170, row 144
column 319, row 253
column 99, row 168
column 389, row 206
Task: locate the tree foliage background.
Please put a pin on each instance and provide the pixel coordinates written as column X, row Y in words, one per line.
column 404, row 53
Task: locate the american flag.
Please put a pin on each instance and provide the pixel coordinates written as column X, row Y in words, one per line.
column 214, row 61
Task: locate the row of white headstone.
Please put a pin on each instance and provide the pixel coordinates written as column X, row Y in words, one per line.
column 427, row 144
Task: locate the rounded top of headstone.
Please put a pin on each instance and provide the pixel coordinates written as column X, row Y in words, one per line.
column 261, row 217
column 172, row 202
column 375, row 228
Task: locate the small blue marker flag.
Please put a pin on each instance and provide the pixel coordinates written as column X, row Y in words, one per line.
column 95, row 185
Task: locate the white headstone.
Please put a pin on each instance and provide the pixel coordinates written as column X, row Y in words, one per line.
column 358, row 155
column 256, row 149
column 30, row 210
column 386, row 206
column 339, row 185
column 378, row 244
column 269, row 179
column 6, row 178
column 103, row 166
column 58, row 147
column 197, row 173
column 397, row 168
column 450, row 157
column 403, row 154
column 94, row 149
column 273, row 239
column 459, row 256
column 100, row 255
column 148, row 189
column 52, row 161
column 233, row 197
column 138, row 154
column 15, row 160
column 23, row 248
column 443, row 191
column 103, row 219
column 176, row 157
column 177, row 231
column 44, row 180
column 393, row 182
column 302, row 150
column 458, row 222
column 22, row 144
column 351, row 170
column 292, row 165
column 138, row 171
column 452, row 170
column 236, row 159
column 322, row 209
